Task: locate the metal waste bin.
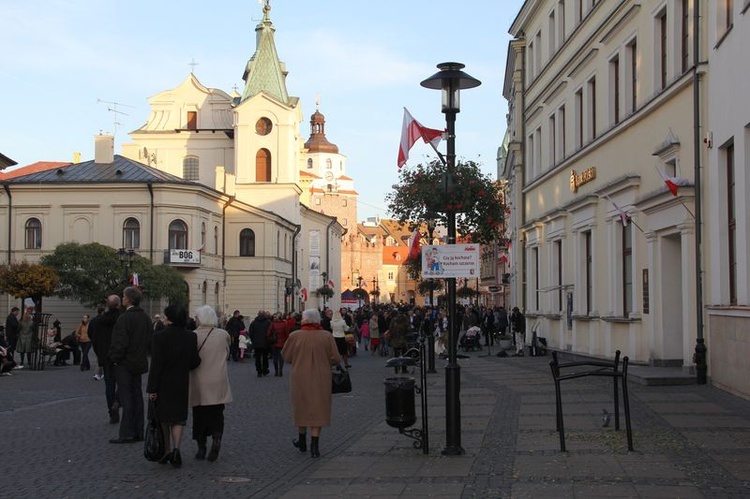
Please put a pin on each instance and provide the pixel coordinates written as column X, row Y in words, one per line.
column 399, row 402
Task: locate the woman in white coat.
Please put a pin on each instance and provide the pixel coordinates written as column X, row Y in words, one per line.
column 209, row 383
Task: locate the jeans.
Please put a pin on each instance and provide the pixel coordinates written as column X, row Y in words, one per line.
column 85, row 363
column 110, row 385
column 130, row 394
column 278, row 362
column 261, row 361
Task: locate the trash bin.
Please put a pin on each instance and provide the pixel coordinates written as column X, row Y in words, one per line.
column 399, row 402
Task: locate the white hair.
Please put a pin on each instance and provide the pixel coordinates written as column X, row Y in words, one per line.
column 310, row 316
column 205, row 315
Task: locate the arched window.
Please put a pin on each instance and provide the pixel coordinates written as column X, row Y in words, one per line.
column 178, row 235
column 33, row 233
column 309, row 163
column 329, row 164
column 190, row 170
column 247, row 242
column 263, row 166
column 131, row 234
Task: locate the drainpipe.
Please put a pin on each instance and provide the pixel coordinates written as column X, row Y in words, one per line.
column 223, row 231
column 700, row 358
column 10, row 217
column 151, row 223
column 328, row 245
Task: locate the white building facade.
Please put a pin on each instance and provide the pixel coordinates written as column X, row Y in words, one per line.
column 601, row 112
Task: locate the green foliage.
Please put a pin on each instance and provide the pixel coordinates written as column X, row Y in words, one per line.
column 375, row 292
column 28, row 280
column 163, row 281
column 413, row 268
column 424, row 287
column 466, row 292
column 421, row 195
column 325, row 291
column 90, row 272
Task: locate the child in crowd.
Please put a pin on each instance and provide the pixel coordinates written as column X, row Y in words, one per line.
column 244, row 343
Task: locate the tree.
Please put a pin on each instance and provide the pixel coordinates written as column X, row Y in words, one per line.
column 426, row 285
column 421, row 195
column 29, row 280
column 90, row 272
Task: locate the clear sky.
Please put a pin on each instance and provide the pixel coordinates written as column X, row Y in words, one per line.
column 364, row 60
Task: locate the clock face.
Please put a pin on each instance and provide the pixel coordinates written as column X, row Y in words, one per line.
column 263, row 126
column 329, row 176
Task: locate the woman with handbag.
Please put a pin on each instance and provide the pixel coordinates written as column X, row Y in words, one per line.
column 209, row 383
column 311, row 351
column 174, row 353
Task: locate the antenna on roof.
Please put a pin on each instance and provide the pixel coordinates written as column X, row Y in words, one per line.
column 115, row 112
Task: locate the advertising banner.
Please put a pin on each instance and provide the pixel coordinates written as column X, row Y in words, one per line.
column 451, row 260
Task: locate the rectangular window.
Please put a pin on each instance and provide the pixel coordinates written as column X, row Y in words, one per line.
column 588, row 270
column 531, row 160
column 729, row 13
column 559, row 272
column 662, row 47
column 561, row 22
column 530, row 60
column 627, row 270
column 192, row 120
column 552, row 140
column 538, row 52
column 632, row 75
column 731, row 225
column 579, row 118
column 390, row 276
column 538, row 151
column 591, row 104
column 579, row 10
column 561, row 132
column 685, row 35
column 614, row 78
column 552, row 34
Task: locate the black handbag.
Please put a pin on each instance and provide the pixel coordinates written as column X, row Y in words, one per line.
column 153, row 441
column 341, row 381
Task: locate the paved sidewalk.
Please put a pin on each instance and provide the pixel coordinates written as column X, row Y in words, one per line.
column 690, row 441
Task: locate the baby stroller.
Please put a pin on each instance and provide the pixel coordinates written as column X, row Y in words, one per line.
column 471, row 340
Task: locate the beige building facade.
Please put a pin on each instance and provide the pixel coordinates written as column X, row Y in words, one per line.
column 601, row 111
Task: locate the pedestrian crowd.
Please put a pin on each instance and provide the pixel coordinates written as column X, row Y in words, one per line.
column 186, row 358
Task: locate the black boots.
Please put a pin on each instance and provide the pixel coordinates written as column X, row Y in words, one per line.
column 201, row 454
column 301, row 442
column 213, row 455
column 314, row 452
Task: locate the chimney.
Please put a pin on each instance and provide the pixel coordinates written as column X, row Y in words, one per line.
column 104, row 149
column 76, row 158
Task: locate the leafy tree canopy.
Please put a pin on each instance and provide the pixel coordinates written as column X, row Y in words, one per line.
column 90, row 272
column 421, row 195
column 28, row 280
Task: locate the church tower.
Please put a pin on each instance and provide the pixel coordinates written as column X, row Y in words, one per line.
column 266, row 130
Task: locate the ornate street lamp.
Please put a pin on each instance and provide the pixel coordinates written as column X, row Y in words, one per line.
column 450, row 80
column 126, row 257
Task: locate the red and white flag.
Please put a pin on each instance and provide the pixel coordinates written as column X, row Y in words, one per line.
column 303, row 292
column 624, row 218
column 134, row 279
column 673, row 183
column 415, row 248
column 411, row 130
column 330, row 283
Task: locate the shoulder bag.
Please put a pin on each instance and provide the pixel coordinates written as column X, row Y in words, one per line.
column 341, row 381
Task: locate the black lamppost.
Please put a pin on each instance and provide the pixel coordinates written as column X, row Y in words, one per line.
column 431, row 342
column 450, row 80
column 126, row 257
column 325, row 285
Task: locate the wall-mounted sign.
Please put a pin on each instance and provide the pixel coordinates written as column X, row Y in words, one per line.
column 578, row 179
column 184, row 256
column 450, row 260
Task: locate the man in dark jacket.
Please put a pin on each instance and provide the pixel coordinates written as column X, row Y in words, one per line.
column 234, row 326
column 100, row 332
column 258, row 332
column 128, row 352
column 398, row 329
column 11, row 331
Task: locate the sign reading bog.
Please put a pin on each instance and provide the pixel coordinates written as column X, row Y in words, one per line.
column 184, row 256
column 451, row 260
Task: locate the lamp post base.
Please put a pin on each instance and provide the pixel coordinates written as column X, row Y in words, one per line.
column 453, row 410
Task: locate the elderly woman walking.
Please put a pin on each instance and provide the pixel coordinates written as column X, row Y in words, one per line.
column 311, row 351
column 25, row 343
column 209, row 383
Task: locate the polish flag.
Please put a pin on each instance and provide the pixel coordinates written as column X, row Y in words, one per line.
column 134, row 279
column 624, row 218
column 415, row 248
column 330, row 283
column 303, row 292
column 673, row 183
column 503, row 259
column 411, row 131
